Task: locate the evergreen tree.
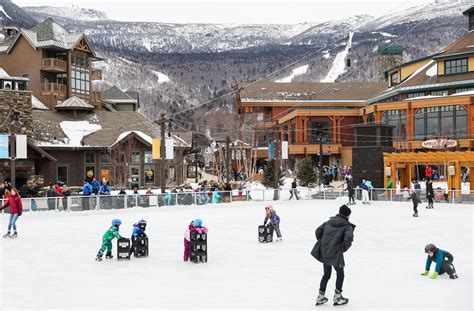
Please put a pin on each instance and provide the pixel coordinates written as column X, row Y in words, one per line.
column 268, row 176
column 306, row 174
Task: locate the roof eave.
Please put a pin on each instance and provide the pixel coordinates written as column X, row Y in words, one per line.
column 453, row 55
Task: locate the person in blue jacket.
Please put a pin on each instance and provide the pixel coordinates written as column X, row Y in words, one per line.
column 273, row 220
column 86, row 192
column 138, row 231
column 443, row 259
column 95, row 186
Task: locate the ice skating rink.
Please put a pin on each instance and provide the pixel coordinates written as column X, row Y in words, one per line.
column 51, row 264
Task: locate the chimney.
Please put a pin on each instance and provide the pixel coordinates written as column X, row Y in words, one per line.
column 470, row 14
column 385, row 57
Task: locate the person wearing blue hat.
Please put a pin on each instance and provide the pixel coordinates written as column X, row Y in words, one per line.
column 109, row 235
column 195, row 225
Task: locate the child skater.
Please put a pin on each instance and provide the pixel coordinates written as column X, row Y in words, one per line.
column 273, row 220
column 138, row 231
column 443, row 259
column 107, row 238
column 195, row 225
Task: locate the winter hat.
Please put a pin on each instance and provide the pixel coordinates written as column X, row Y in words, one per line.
column 345, row 210
column 197, row 222
column 269, row 207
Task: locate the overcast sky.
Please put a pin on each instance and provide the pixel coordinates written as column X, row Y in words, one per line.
column 232, row 11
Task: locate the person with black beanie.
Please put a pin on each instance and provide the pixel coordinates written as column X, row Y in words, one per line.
column 334, row 237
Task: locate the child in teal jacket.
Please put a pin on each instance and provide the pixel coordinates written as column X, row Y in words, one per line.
column 443, row 259
column 109, row 235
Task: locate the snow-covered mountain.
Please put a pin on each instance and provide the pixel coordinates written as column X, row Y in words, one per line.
column 67, row 12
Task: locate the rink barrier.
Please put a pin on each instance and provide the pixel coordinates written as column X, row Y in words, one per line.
column 106, row 202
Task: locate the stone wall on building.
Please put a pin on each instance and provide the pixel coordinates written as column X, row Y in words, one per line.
column 383, row 62
column 21, row 101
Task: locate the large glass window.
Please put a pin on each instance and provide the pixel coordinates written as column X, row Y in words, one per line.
column 443, row 121
column 394, row 78
column 89, row 157
column 148, row 158
column 464, row 89
column 455, row 66
column 62, row 174
column 316, row 128
column 398, row 119
column 413, row 95
column 80, row 80
column 104, row 158
column 293, row 132
column 149, row 174
column 136, row 157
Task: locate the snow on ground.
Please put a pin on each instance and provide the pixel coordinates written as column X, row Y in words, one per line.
column 162, row 78
column 51, row 264
column 5, row 13
column 339, row 63
column 296, row 72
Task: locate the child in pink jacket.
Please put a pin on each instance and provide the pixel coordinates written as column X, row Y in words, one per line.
column 195, row 225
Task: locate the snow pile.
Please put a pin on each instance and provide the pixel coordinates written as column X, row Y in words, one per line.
column 385, row 34
column 387, row 249
column 339, row 63
column 433, row 71
column 296, row 72
column 326, row 54
column 77, row 130
column 162, row 78
column 4, row 13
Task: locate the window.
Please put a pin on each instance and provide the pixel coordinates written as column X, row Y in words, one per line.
column 90, row 172
column 90, row 157
column 149, row 174
column 62, row 174
column 439, row 93
column 394, row 78
column 370, row 118
column 396, row 118
column 316, row 128
column 465, row 89
column 285, row 133
column 413, row 95
column 80, row 80
column 61, row 78
column 450, row 121
column 455, row 66
column 148, row 157
column 135, row 157
column 104, row 158
column 134, row 174
column 293, row 132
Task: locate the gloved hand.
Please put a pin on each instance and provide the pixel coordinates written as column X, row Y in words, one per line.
column 425, row 273
column 434, row 276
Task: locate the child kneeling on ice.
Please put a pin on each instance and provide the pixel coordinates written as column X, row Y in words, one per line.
column 443, row 259
column 107, row 238
column 274, row 221
column 195, row 225
column 138, row 231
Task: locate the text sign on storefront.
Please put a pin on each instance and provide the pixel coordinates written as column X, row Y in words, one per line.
column 439, row 143
column 4, row 147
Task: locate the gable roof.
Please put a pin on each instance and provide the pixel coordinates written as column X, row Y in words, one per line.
column 463, row 45
column 114, row 94
column 74, row 103
column 314, row 92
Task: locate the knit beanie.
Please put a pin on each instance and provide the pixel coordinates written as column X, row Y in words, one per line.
column 345, row 210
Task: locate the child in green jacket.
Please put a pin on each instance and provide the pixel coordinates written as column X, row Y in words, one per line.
column 107, row 238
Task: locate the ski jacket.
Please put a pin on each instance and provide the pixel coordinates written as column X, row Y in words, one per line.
column 137, row 231
column 16, row 207
column 95, row 185
column 216, row 196
column 429, row 189
column 438, row 257
column 191, row 227
column 86, row 189
column 51, row 192
column 363, row 186
column 104, row 190
column 293, row 185
column 350, row 187
column 273, row 217
column 390, row 184
column 334, row 237
column 110, row 234
column 428, row 172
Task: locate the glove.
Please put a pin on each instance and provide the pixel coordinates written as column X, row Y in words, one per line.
column 434, row 276
column 425, row 273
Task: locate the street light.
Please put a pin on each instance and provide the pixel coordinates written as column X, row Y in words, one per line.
column 15, row 127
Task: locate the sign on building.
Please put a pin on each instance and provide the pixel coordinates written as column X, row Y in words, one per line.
column 284, row 150
column 440, row 143
column 155, row 149
column 271, row 150
column 169, row 149
column 21, row 146
column 4, row 146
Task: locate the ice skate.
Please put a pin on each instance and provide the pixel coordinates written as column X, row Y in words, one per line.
column 453, row 276
column 415, row 215
column 14, row 235
column 109, row 256
column 7, row 235
column 279, row 240
column 339, row 299
column 98, row 258
column 322, row 299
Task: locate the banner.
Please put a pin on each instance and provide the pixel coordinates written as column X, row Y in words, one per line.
column 155, row 149
column 284, row 150
column 271, row 150
column 21, row 147
column 4, row 146
column 169, row 144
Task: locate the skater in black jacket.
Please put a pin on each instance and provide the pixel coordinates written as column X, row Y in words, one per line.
column 334, row 238
column 415, row 199
column 429, row 193
column 350, row 190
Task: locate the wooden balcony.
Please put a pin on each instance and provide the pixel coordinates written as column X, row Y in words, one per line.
column 54, row 65
column 53, row 89
column 96, row 74
column 314, row 148
column 268, row 124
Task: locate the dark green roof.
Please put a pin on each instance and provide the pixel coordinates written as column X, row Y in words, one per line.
column 388, row 49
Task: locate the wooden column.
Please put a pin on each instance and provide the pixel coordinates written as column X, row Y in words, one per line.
column 410, row 119
column 333, row 129
column 471, row 179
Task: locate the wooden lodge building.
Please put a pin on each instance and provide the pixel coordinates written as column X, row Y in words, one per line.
column 427, row 99
column 74, row 132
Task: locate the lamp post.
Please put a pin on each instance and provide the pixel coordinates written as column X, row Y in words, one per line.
column 15, row 126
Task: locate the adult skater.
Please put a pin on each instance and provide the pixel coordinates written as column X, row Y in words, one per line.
column 350, row 189
column 293, row 190
column 16, row 208
column 443, row 259
column 416, row 201
column 365, row 192
column 429, row 193
column 273, row 220
column 334, row 237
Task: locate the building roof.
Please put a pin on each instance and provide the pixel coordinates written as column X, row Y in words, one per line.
column 388, row 49
column 463, row 45
column 37, row 104
column 46, row 34
column 324, row 92
column 97, row 129
column 114, row 94
column 471, row 9
column 74, row 103
column 5, row 76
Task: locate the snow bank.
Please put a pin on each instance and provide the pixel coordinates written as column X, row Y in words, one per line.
column 339, row 63
column 77, row 130
column 296, row 72
column 162, row 78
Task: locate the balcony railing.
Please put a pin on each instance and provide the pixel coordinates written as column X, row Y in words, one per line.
column 54, row 65
column 53, row 89
column 314, row 148
column 96, row 74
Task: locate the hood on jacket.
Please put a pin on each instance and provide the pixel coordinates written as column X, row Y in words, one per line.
column 340, row 221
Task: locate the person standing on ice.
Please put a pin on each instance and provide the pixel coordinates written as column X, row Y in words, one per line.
column 416, row 201
column 16, row 209
column 429, row 193
column 443, row 259
column 365, row 192
column 293, row 190
column 350, row 189
column 273, row 220
column 195, row 225
column 334, row 238
column 109, row 235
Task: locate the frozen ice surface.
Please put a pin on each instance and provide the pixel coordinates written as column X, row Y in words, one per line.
column 51, row 264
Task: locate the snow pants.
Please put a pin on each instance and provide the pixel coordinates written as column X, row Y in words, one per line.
column 276, row 227
column 365, row 195
column 294, row 192
column 12, row 223
column 351, row 197
column 327, row 276
column 447, row 267
column 106, row 245
column 415, row 208
column 187, row 250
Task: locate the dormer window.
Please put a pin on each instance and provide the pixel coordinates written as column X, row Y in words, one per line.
column 455, row 66
column 394, row 78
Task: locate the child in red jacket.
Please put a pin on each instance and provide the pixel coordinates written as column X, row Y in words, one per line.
column 195, row 225
column 16, row 208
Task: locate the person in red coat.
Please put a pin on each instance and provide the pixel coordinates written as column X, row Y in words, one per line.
column 16, row 208
column 428, row 172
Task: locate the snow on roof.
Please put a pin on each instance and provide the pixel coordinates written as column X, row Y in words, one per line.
column 4, row 75
column 144, row 136
column 77, row 130
column 419, row 70
column 5, row 13
column 424, row 97
column 433, row 71
column 463, row 93
column 37, row 104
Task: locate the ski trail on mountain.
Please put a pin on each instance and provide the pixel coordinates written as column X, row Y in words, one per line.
column 339, row 63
